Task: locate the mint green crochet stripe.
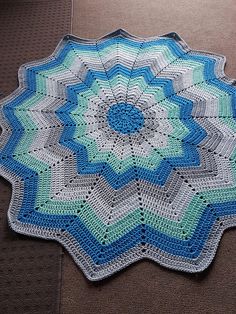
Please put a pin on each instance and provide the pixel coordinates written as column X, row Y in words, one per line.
column 127, row 48
column 71, row 56
column 225, row 104
column 173, row 147
column 174, row 228
column 44, row 168
column 140, row 160
column 151, row 219
column 156, row 156
column 222, row 107
column 92, row 219
column 97, row 227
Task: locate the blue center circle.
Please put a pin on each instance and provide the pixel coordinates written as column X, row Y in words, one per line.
column 125, row 118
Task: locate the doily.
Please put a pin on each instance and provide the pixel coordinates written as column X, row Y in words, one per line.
column 123, row 148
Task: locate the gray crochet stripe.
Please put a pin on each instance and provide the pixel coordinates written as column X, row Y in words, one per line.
column 94, row 272
column 214, row 167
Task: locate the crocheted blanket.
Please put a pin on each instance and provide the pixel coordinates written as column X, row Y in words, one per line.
column 123, row 148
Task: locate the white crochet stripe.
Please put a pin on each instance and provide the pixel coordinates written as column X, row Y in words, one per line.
column 111, row 205
column 95, row 272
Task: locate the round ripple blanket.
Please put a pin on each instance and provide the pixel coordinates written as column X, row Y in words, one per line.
column 123, row 148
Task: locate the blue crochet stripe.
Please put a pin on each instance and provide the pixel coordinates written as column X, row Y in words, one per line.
column 159, row 177
column 71, row 223
column 59, row 58
column 31, row 77
column 84, row 167
column 190, row 248
column 131, row 238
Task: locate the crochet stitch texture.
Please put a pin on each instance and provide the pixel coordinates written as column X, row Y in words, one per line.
column 123, row 148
